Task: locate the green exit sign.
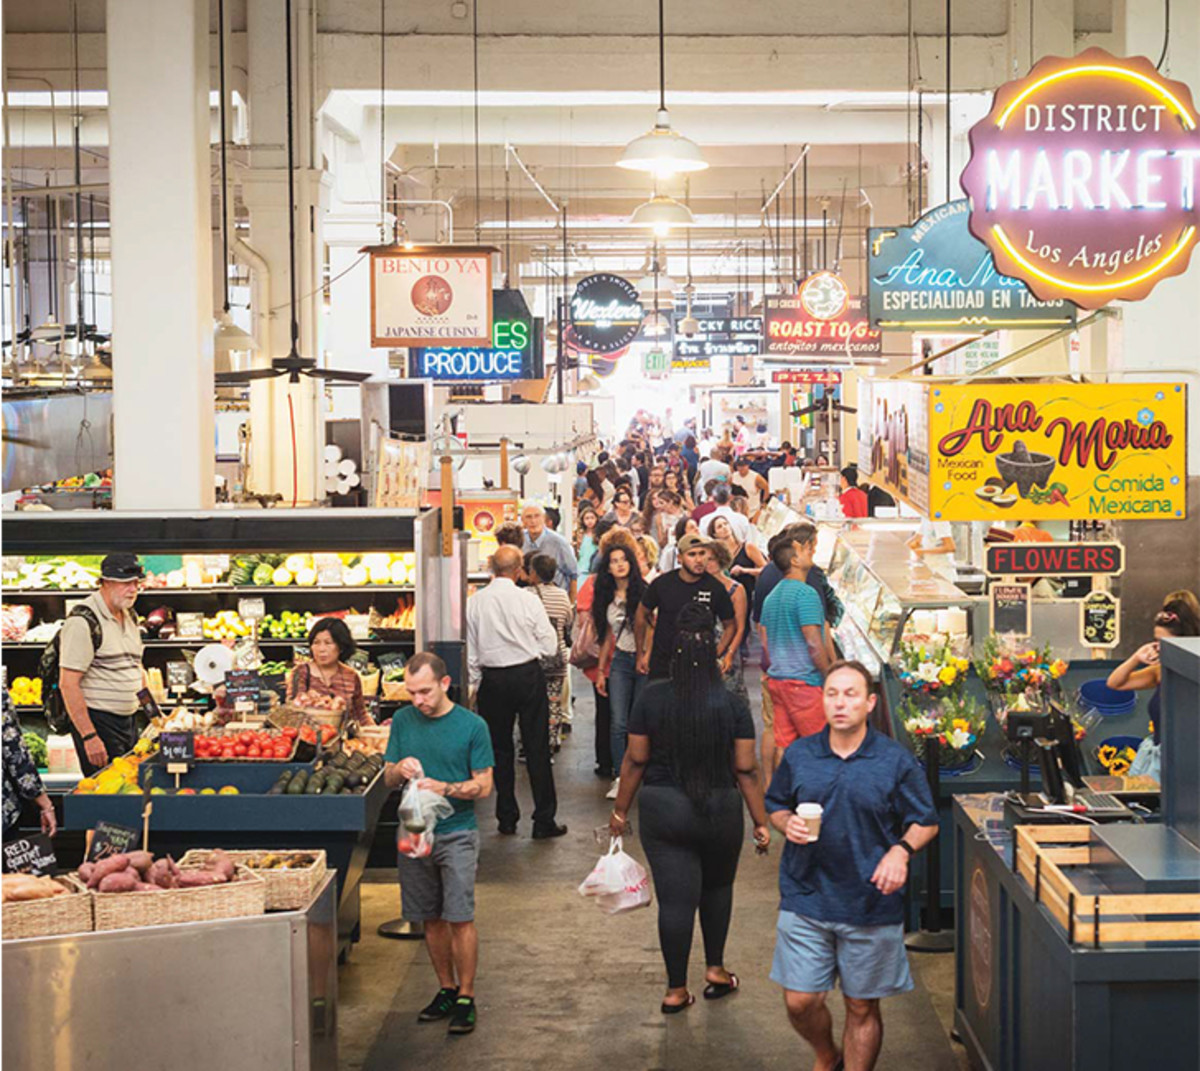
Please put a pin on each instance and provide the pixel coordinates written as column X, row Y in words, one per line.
column 656, row 363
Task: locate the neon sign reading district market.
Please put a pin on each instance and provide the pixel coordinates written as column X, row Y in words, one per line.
column 1082, row 178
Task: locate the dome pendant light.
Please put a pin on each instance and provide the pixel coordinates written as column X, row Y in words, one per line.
column 661, row 213
column 662, row 151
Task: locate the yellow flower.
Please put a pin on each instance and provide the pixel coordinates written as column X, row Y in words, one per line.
column 1058, row 667
column 1107, row 753
column 948, row 674
column 960, row 723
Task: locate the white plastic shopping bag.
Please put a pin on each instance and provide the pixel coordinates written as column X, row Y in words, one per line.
column 617, row 881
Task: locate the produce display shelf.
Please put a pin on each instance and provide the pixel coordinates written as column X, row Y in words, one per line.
column 343, row 826
column 211, row 589
column 408, row 637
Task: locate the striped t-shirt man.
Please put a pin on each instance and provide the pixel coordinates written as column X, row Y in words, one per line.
column 112, row 672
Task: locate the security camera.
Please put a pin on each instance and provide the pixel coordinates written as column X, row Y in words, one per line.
column 689, row 325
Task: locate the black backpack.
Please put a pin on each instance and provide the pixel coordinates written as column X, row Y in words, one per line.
column 53, row 706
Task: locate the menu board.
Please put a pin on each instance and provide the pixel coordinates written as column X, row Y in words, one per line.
column 1010, row 604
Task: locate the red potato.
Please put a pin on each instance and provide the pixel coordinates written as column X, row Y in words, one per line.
column 122, row 881
column 85, row 872
column 194, row 879
column 114, row 864
column 140, row 861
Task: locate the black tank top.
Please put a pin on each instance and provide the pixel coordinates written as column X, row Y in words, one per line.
column 747, row 581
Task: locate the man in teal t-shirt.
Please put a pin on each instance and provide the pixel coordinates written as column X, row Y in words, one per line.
column 449, row 750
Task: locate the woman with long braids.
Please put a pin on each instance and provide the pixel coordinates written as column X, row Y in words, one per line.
column 692, row 743
column 619, row 590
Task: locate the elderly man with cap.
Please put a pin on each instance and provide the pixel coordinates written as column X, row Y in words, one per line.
column 100, row 665
column 546, row 541
column 508, row 633
column 655, row 625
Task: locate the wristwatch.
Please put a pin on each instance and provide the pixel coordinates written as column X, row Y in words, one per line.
column 902, row 843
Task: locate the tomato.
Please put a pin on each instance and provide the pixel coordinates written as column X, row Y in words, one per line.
column 404, row 845
column 254, row 752
column 246, row 737
column 240, row 749
column 289, row 732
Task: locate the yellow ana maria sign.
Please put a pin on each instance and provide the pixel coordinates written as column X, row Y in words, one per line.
column 1058, row 451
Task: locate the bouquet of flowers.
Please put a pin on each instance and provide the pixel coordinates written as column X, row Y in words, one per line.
column 1116, row 760
column 1008, row 669
column 931, row 673
column 957, row 721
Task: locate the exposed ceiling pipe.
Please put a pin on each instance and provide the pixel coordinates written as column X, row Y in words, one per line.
column 260, row 288
column 787, row 175
column 529, row 175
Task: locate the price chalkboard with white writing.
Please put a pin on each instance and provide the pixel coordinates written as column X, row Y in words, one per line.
column 30, row 855
column 189, row 626
column 1010, row 605
column 241, row 688
column 108, row 838
column 1100, row 620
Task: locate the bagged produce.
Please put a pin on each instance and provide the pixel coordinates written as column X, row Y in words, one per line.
column 418, row 813
column 618, row 882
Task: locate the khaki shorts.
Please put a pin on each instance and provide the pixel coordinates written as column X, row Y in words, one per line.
column 768, row 706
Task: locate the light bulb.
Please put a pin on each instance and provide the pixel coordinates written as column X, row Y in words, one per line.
column 661, row 230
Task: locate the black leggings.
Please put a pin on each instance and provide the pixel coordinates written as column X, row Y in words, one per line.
column 694, row 858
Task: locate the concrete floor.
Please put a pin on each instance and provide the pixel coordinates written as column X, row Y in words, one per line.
column 563, row 986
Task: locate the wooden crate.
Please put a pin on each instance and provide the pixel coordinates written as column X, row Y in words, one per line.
column 1044, row 855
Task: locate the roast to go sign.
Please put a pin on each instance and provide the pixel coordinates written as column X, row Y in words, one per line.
column 823, row 320
column 1055, row 559
column 434, row 296
column 1082, row 178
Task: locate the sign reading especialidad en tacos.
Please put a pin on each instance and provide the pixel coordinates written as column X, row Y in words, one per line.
column 1058, row 451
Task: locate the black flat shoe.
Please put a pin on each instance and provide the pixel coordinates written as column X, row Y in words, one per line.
column 552, row 831
column 507, row 830
column 675, row 1009
column 717, row 990
column 603, row 772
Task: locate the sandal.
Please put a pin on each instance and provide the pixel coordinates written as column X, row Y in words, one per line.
column 717, row 990
column 675, row 1009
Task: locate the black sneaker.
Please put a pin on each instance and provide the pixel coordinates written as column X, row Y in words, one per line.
column 462, row 1020
column 438, row 1008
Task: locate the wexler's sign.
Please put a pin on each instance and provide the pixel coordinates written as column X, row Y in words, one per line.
column 1082, row 178
column 431, row 296
column 936, row 273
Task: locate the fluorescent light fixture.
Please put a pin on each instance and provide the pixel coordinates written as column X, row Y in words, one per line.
column 89, row 98
column 683, row 98
column 661, row 213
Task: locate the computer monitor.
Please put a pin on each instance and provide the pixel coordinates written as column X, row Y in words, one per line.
column 1049, row 754
column 1061, row 729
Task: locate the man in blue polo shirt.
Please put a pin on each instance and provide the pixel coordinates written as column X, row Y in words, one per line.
column 834, row 921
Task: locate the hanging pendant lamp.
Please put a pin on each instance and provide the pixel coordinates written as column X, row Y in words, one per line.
column 662, row 151
column 660, row 214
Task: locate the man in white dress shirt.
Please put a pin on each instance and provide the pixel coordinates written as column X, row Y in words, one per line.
column 739, row 525
column 508, row 631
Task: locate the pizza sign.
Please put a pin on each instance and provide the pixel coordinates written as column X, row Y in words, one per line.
column 1082, row 178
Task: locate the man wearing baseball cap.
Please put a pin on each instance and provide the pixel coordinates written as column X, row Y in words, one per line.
column 655, row 625
column 100, row 681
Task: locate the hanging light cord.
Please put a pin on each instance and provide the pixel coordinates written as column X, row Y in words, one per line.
column 662, row 61
column 79, row 310
column 948, row 47
column 382, row 125
column 475, row 65
column 1166, row 34
column 291, row 166
column 224, row 161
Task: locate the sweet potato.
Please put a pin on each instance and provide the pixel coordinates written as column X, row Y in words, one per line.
column 140, row 861
column 160, row 874
column 220, row 863
column 85, row 872
column 122, row 881
column 114, row 864
column 194, row 879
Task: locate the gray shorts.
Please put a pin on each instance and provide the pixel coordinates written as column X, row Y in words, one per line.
column 442, row 885
column 870, row 961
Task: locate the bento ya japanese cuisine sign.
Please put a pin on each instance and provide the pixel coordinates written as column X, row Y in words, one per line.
column 1082, row 178
column 1058, row 451
column 436, row 296
column 822, row 320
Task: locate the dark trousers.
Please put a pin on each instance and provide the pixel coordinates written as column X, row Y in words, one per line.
column 693, row 856
column 604, row 753
column 118, row 733
column 517, row 695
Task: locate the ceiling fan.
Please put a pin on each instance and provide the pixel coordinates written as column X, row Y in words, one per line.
column 293, row 365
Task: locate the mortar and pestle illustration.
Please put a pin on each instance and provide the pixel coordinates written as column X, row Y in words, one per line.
column 1024, row 469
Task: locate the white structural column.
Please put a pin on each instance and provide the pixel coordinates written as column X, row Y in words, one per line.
column 286, row 439
column 161, row 253
column 1161, row 338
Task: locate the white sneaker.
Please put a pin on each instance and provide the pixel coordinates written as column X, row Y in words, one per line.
column 611, row 794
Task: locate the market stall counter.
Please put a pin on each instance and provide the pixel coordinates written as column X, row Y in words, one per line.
column 1046, row 979
column 343, row 825
column 110, row 1000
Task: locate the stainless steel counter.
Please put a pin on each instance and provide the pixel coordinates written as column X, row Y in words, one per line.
column 255, row 994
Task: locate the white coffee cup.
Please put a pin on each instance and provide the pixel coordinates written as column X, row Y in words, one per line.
column 811, row 813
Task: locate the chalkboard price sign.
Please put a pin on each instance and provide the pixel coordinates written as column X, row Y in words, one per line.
column 252, row 609
column 1010, row 608
column 30, row 855
column 1100, row 620
column 241, row 688
column 177, row 748
column 148, row 704
column 108, row 838
column 179, row 676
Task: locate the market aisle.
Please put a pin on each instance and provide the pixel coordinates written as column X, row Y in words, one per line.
column 563, row 986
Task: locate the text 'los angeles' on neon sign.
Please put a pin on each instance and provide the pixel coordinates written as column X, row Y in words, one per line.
column 1082, row 178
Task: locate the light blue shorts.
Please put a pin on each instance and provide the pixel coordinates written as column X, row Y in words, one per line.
column 870, row 961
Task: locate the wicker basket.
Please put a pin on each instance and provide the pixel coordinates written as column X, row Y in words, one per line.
column 71, row 913
column 287, row 890
column 245, row 895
